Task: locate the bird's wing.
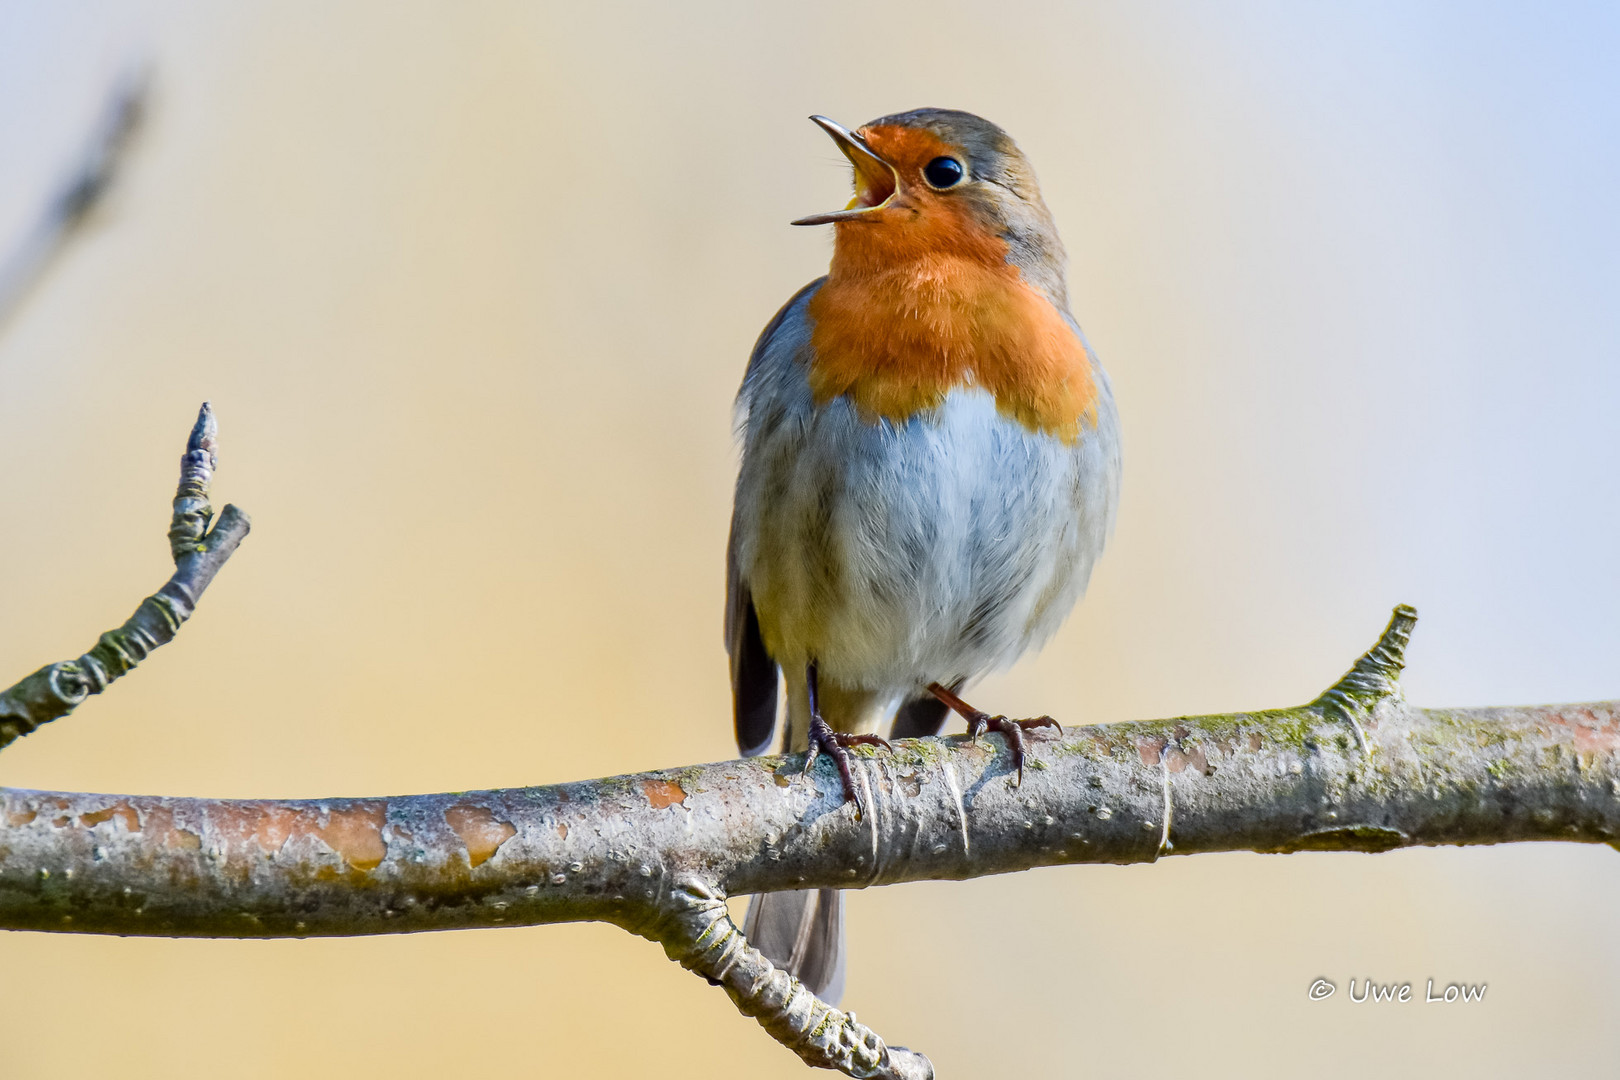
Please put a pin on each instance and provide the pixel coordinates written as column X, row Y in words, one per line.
column 753, row 672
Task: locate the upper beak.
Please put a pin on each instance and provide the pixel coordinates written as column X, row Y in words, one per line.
column 875, row 179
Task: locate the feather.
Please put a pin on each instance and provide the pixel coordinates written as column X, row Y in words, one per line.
column 803, row 933
column 919, row 718
column 753, row 672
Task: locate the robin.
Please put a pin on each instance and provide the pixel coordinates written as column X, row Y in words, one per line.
column 930, row 467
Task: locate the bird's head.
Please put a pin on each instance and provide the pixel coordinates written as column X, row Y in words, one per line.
column 934, row 182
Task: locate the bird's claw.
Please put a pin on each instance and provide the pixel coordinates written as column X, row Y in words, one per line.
column 836, row 744
column 1013, row 731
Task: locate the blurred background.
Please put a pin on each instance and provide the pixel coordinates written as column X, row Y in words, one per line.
column 471, row 290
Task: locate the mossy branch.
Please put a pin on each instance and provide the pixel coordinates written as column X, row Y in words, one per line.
column 657, row 853
column 1374, row 679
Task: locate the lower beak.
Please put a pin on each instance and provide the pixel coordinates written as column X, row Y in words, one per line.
column 875, row 179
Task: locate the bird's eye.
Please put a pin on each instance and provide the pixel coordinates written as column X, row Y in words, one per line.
column 943, row 172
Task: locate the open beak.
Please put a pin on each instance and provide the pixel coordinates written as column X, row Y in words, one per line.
column 875, row 179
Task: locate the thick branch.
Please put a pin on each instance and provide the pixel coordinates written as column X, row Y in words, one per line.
column 1278, row 781
column 57, row 689
column 658, row 852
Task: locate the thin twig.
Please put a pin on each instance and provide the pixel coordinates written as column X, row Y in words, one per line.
column 80, row 191
column 57, row 689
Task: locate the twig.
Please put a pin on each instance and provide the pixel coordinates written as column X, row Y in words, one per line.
column 57, row 689
column 84, row 186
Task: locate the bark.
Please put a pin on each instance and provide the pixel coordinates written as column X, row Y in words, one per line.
column 657, row 853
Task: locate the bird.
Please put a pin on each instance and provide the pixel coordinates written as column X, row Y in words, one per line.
column 930, row 466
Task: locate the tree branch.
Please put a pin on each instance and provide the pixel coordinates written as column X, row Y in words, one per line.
column 657, row 853
column 57, row 689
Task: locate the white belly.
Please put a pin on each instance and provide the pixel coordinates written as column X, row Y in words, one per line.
column 895, row 555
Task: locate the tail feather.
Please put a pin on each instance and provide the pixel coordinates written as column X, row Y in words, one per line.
column 919, row 718
column 803, row 932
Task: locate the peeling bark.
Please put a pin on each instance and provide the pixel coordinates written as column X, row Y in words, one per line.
column 658, row 853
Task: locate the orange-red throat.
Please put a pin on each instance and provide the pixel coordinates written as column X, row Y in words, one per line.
column 921, row 299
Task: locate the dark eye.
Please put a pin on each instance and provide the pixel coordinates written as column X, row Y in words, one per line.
column 943, row 172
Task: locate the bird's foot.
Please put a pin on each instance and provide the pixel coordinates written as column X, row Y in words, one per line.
column 1013, row 730
column 836, row 744
column 979, row 722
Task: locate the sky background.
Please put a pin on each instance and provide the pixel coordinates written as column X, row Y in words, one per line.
column 471, row 290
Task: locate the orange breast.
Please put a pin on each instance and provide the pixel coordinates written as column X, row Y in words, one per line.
column 904, row 319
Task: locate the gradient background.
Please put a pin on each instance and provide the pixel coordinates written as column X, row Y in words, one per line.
column 471, row 290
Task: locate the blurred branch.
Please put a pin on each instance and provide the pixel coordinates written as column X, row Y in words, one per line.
column 657, row 853
column 81, row 190
column 57, row 689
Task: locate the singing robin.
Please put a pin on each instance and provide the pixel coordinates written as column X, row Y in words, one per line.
column 930, row 467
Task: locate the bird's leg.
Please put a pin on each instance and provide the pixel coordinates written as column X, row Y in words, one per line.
column 978, row 722
column 834, row 743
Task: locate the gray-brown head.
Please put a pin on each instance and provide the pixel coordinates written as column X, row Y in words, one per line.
column 931, row 180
